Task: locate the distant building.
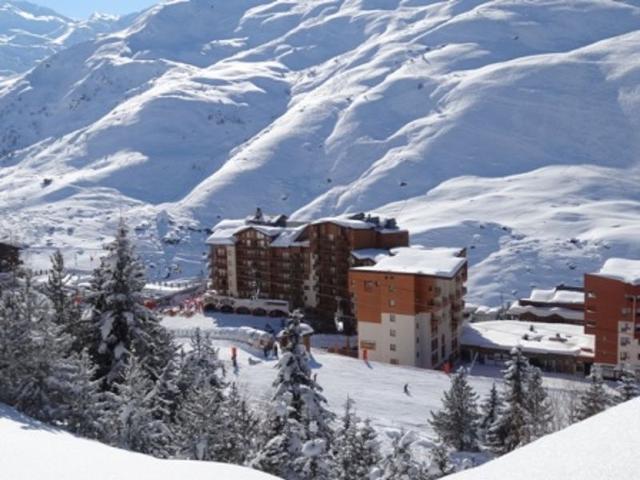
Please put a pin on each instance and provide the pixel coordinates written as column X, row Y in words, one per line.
column 9, row 256
column 554, row 347
column 303, row 263
column 612, row 313
column 409, row 306
column 562, row 304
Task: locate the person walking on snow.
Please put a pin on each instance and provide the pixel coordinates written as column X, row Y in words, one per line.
column 406, row 389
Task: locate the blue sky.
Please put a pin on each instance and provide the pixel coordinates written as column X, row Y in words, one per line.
column 84, row 8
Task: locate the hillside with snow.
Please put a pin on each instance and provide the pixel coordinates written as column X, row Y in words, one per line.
column 30, row 33
column 574, row 452
column 34, row 451
column 506, row 126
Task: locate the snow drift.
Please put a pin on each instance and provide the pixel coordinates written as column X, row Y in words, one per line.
column 599, row 448
column 34, row 451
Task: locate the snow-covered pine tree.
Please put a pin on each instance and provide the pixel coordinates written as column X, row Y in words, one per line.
column 200, row 424
column 299, row 408
column 240, row 428
column 355, row 449
column 122, row 323
column 66, row 312
column 200, row 364
column 16, row 343
column 166, row 395
column 83, row 404
column 539, row 407
column 628, row 385
column 132, row 425
column 400, row 463
column 441, row 465
column 510, row 430
column 457, row 423
column 593, row 400
column 489, row 412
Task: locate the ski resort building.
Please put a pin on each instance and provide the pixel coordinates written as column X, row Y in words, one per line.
column 562, row 304
column 305, row 264
column 409, row 306
column 554, row 347
column 612, row 313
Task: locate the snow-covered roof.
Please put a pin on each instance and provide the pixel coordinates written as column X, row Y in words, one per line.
column 598, row 448
column 288, row 237
column 224, row 233
column 556, row 295
column 418, row 260
column 517, row 308
column 625, row 270
column 348, row 221
column 375, row 254
column 553, row 338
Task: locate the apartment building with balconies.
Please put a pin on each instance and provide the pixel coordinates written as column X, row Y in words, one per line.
column 612, row 314
column 409, row 306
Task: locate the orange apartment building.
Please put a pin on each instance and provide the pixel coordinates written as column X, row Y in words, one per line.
column 306, row 264
column 612, row 314
column 409, row 306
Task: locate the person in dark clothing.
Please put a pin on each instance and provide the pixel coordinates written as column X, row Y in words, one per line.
column 275, row 350
column 406, row 389
column 265, row 350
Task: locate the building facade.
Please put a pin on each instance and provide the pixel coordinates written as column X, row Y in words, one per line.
column 409, row 306
column 612, row 314
column 306, row 264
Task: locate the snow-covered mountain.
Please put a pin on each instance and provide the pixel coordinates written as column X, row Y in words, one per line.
column 30, row 33
column 508, row 126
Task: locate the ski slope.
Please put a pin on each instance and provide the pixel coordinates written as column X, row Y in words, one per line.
column 34, row 451
column 377, row 388
column 507, row 126
column 599, row 448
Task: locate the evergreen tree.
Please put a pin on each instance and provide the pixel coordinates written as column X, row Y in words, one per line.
column 489, row 411
column 400, row 463
column 130, row 415
column 356, row 448
column 240, row 428
column 200, row 365
column 122, row 324
column 595, row 399
column 510, row 430
column 457, row 422
column 16, row 344
column 166, row 395
column 440, row 463
column 66, row 313
column 539, row 407
column 84, row 404
column 200, row 424
column 628, row 387
column 301, row 415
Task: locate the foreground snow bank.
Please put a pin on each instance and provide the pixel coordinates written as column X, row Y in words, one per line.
column 599, row 448
column 33, row 451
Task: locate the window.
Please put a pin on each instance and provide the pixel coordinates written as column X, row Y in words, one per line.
column 392, row 347
column 417, row 354
column 392, row 288
column 392, row 302
column 417, row 339
column 394, row 361
column 434, row 345
column 624, row 356
column 434, row 359
column 392, row 333
column 392, row 318
column 368, row 286
column 624, row 341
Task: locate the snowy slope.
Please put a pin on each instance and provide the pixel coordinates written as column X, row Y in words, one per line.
column 599, row 448
column 33, row 451
column 30, row 33
column 508, row 126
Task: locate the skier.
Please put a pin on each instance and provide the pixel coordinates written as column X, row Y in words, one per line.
column 275, row 350
column 234, row 357
column 406, row 389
